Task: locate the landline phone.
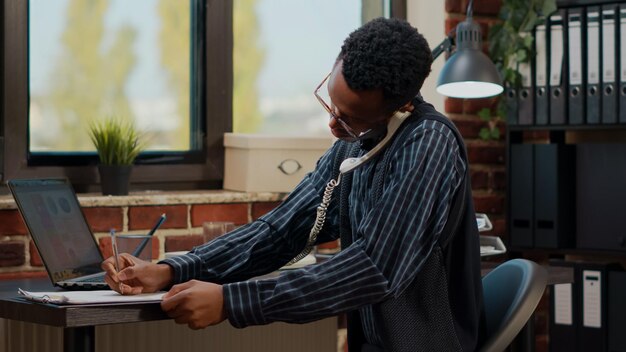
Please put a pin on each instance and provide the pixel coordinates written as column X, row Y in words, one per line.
column 347, row 166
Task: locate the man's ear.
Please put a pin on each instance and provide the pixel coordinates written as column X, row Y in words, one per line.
column 407, row 107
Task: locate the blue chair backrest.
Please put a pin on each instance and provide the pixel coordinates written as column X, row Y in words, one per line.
column 511, row 293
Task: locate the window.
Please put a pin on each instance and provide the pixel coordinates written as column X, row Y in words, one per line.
column 168, row 65
column 90, row 60
column 282, row 50
column 95, row 59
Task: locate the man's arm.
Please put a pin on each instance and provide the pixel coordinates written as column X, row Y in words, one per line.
column 393, row 240
column 265, row 244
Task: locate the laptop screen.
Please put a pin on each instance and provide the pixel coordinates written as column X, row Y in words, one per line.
column 58, row 227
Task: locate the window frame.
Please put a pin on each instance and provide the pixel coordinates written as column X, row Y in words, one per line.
column 215, row 115
column 216, row 85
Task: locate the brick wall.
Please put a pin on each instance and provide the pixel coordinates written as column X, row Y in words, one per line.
column 181, row 231
column 487, row 158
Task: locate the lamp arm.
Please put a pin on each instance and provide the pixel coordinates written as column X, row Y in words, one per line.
column 444, row 46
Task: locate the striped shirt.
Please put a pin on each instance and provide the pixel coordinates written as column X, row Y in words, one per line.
column 392, row 237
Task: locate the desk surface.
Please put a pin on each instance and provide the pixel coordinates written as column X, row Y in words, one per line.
column 17, row 308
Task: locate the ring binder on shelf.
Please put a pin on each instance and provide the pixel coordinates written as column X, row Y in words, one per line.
column 609, row 94
column 542, row 107
column 576, row 98
column 558, row 107
column 622, row 56
column 510, row 94
column 593, row 65
column 526, row 95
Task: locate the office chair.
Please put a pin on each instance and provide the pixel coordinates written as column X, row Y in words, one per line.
column 511, row 293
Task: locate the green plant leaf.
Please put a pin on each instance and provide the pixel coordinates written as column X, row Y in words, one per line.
column 484, row 134
column 495, row 133
column 548, row 7
column 117, row 142
column 484, row 114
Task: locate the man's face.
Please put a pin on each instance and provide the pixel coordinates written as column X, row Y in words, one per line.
column 360, row 110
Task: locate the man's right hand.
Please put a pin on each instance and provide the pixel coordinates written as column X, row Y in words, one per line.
column 136, row 275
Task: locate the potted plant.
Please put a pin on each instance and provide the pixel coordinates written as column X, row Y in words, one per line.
column 118, row 143
column 511, row 45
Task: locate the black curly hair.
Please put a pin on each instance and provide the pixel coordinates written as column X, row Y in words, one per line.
column 387, row 54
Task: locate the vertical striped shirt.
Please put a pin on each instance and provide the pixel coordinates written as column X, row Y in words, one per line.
column 392, row 238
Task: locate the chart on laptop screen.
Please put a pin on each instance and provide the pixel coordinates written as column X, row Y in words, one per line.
column 58, row 227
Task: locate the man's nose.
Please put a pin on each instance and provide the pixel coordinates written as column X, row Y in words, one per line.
column 332, row 122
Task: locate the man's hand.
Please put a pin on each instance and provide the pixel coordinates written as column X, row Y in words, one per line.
column 195, row 303
column 135, row 275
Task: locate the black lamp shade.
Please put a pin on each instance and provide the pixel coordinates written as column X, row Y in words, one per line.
column 469, row 73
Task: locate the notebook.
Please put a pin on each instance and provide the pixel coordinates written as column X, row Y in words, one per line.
column 61, row 234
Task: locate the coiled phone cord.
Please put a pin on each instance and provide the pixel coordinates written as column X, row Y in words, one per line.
column 319, row 220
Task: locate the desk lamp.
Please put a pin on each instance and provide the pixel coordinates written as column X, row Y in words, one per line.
column 468, row 73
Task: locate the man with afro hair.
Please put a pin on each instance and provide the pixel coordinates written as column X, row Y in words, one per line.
column 408, row 274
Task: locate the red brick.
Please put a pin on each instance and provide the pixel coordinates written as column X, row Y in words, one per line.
column 11, row 223
column 182, row 243
column 457, row 6
column 144, row 218
column 469, row 128
column 22, row 275
column 491, row 204
column 485, row 153
column 473, row 106
column 453, row 105
column 35, row 259
column 105, row 218
column 498, row 181
column 12, row 253
column 487, row 7
column 480, row 179
column 236, row 213
column 450, row 25
column 260, row 209
column 499, row 227
column 105, row 247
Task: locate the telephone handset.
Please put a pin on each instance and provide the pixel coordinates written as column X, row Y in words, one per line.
column 393, row 125
column 346, row 166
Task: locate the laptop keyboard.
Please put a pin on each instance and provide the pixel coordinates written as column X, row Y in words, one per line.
column 92, row 279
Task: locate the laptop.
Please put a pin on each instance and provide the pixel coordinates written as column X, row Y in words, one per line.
column 61, row 234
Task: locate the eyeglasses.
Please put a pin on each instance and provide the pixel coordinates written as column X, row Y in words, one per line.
column 346, row 127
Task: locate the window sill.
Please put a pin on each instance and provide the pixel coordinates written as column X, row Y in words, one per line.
column 165, row 198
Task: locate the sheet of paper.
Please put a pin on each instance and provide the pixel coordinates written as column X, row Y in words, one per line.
column 563, row 304
column 592, row 299
column 89, row 297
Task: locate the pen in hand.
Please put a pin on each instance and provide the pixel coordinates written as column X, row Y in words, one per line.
column 143, row 243
column 115, row 253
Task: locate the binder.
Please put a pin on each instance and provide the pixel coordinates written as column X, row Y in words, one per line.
column 511, row 105
column 564, row 312
column 521, row 200
column 622, row 56
column 576, row 99
column 600, row 196
column 617, row 311
column 609, row 63
column 554, row 190
column 526, row 95
column 558, row 107
column 593, row 100
column 542, row 107
column 592, row 328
